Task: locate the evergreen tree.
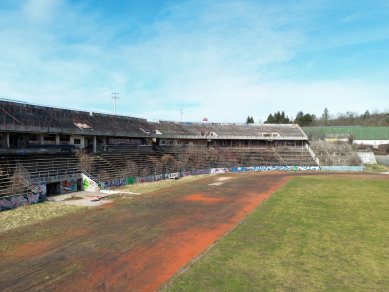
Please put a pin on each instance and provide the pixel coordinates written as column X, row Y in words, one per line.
column 278, row 118
column 325, row 116
column 270, row 120
column 249, row 120
column 366, row 115
column 304, row 120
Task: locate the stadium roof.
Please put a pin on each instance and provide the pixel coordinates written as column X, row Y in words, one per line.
column 23, row 117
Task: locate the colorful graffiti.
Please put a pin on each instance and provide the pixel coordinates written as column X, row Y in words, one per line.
column 113, row 183
column 174, row 175
column 130, row 180
column 40, row 189
column 69, row 186
column 275, row 168
column 89, row 185
column 16, row 201
column 219, row 170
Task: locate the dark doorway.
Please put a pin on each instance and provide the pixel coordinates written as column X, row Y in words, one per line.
column 79, row 184
column 53, row 188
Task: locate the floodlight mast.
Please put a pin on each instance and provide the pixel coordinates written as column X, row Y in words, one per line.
column 115, row 97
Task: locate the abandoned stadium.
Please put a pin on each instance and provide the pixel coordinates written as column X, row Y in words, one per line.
column 47, row 151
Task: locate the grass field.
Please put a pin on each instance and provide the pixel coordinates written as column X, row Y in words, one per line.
column 315, row 233
column 32, row 214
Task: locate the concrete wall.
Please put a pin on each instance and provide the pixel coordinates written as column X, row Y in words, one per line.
column 342, row 168
column 82, row 140
column 89, row 185
column 367, row 157
column 12, row 202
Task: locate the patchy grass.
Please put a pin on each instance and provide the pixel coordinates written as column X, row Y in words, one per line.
column 157, row 185
column 45, row 211
column 34, row 213
column 313, row 234
column 376, row 168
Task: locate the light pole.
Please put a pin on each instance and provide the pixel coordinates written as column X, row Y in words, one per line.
column 181, row 114
column 115, row 97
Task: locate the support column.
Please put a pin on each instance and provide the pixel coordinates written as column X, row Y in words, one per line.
column 57, row 141
column 8, row 141
column 94, row 144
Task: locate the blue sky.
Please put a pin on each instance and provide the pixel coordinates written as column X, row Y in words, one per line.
column 218, row 59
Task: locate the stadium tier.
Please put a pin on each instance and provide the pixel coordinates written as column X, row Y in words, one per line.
column 335, row 154
column 49, row 150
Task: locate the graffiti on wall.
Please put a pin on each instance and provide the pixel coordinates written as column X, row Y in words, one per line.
column 89, row 185
column 218, row 170
column 200, row 171
column 174, row 175
column 113, row 183
column 157, row 177
column 13, row 202
column 69, row 186
column 40, row 189
column 275, row 168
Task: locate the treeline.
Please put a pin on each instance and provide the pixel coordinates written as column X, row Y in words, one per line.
column 326, row 119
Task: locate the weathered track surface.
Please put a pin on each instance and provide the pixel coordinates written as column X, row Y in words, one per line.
column 132, row 244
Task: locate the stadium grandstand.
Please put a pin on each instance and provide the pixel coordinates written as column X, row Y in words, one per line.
column 49, row 150
column 348, row 145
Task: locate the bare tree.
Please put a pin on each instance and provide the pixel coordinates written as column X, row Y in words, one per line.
column 85, row 160
column 168, row 163
column 156, row 164
column 131, row 168
column 103, row 175
column 17, row 180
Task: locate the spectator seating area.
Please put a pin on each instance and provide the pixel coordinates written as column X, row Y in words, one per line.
column 228, row 130
column 335, row 153
column 18, row 173
column 123, row 161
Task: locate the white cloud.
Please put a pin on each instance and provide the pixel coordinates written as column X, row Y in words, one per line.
column 209, row 58
column 41, row 11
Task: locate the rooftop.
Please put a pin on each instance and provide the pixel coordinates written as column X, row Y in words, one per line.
column 25, row 117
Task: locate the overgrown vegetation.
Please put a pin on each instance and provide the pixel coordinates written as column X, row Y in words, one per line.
column 376, row 168
column 314, row 234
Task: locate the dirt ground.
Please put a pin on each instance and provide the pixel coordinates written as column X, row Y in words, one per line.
column 131, row 244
